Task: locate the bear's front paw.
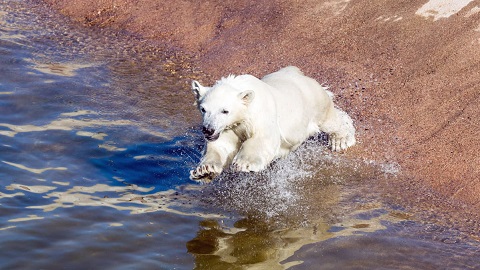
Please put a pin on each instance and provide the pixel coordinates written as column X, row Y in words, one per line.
column 205, row 172
column 245, row 165
column 339, row 143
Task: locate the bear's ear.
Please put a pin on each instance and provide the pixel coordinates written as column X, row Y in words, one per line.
column 247, row 96
column 198, row 89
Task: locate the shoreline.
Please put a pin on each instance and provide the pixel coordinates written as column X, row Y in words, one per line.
column 408, row 79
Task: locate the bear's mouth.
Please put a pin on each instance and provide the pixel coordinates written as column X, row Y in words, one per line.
column 212, row 137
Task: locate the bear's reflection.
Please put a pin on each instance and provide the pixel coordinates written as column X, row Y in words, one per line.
column 291, row 204
column 251, row 242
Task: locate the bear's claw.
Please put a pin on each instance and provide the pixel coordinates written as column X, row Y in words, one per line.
column 204, row 171
column 340, row 143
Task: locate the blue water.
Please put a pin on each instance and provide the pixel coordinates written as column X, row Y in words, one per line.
column 77, row 154
column 97, row 136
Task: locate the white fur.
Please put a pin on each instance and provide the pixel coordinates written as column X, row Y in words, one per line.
column 250, row 122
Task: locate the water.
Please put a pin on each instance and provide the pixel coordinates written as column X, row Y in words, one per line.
column 97, row 135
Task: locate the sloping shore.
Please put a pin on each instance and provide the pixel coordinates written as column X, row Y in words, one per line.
column 407, row 71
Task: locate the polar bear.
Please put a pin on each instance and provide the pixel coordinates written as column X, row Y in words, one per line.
column 249, row 122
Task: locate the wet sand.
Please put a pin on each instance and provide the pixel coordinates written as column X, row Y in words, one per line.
column 408, row 73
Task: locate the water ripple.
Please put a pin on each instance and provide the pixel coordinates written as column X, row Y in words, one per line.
column 96, row 141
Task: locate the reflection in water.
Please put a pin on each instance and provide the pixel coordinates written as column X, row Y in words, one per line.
column 60, row 69
column 322, row 213
column 37, row 171
column 124, row 198
column 29, row 218
column 96, row 142
column 297, row 202
column 255, row 244
column 67, row 124
column 68, row 195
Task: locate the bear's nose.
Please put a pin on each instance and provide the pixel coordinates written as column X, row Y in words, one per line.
column 208, row 131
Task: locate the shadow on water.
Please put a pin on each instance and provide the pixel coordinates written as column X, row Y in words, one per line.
column 97, row 136
column 151, row 164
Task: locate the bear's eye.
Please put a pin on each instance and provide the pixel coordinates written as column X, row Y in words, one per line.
column 225, row 111
column 202, row 109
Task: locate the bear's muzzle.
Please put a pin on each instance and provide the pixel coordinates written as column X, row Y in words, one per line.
column 210, row 134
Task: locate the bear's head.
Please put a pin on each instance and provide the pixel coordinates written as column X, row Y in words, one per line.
column 223, row 107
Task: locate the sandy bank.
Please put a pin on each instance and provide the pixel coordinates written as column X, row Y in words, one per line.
column 407, row 71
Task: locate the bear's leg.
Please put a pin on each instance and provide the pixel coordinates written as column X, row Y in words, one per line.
column 254, row 155
column 218, row 154
column 340, row 129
